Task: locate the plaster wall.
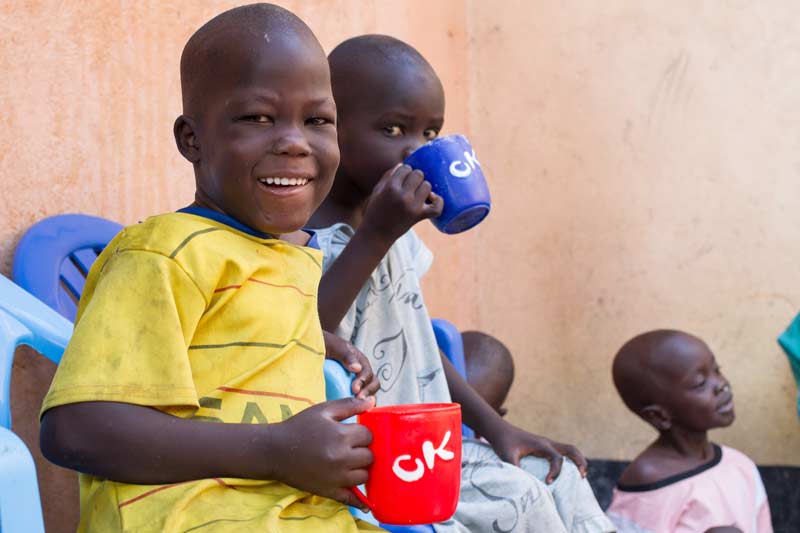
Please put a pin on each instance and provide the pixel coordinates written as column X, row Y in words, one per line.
column 642, row 157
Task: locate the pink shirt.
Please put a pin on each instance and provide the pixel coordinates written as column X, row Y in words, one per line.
column 727, row 491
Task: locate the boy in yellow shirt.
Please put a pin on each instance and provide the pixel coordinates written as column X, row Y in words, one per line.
column 191, row 397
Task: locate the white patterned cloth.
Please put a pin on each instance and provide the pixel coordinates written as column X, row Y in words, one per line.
column 389, row 323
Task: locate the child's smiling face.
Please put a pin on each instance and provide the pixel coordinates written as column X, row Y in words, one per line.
column 266, row 133
column 390, row 112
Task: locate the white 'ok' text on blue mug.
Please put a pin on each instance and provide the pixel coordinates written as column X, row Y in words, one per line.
column 450, row 165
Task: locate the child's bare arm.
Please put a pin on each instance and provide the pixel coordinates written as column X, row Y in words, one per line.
column 400, row 199
column 312, row 451
column 509, row 442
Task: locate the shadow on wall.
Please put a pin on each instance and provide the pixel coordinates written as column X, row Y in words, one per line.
column 782, row 484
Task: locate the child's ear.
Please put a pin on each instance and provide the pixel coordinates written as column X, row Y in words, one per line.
column 656, row 416
column 186, row 138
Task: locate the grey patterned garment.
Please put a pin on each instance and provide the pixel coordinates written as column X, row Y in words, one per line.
column 390, row 324
column 389, row 321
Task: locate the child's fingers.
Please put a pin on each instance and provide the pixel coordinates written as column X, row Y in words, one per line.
column 357, row 462
column 556, row 460
column 399, row 173
column 371, row 386
column 413, row 179
column 423, row 191
column 351, row 359
column 346, row 407
column 364, row 379
column 392, row 172
column 576, row 457
column 395, row 173
column 434, row 206
column 347, row 497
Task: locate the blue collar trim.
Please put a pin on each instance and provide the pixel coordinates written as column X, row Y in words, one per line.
column 222, row 218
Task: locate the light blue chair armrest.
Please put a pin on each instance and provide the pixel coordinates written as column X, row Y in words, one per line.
column 20, row 508
column 337, row 380
column 26, row 320
column 452, row 346
column 50, row 332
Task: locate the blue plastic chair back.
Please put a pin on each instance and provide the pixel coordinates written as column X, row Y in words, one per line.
column 54, row 256
column 452, row 346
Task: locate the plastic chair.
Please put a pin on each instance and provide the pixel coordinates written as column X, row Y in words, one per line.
column 452, row 346
column 23, row 320
column 54, row 256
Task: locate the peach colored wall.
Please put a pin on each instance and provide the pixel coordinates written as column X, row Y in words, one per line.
column 643, row 161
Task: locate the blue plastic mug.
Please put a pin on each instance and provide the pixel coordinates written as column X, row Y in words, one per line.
column 450, row 165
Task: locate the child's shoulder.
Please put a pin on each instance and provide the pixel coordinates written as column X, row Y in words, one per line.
column 734, row 455
column 332, row 240
column 646, row 469
column 654, row 468
column 165, row 234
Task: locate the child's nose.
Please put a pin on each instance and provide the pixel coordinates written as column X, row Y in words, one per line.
column 290, row 141
column 409, row 149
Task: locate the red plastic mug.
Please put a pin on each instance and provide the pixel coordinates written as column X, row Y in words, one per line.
column 415, row 477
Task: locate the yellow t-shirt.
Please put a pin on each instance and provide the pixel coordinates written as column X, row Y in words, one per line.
column 200, row 320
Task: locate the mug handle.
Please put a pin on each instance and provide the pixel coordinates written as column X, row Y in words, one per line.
column 361, row 497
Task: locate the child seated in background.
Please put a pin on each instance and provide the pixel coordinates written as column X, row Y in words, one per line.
column 682, row 482
column 191, row 395
column 390, row 102
column 490, row 368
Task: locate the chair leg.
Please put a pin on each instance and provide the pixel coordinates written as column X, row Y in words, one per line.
column 20, row 507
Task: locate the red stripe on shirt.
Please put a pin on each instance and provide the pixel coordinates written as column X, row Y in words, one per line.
column 229, row 287
column 159, row 489
column 265, row 393
column 281, row 286
column 254, row 280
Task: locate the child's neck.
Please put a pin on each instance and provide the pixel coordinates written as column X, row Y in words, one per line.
column 345, row 203
column 685, row 443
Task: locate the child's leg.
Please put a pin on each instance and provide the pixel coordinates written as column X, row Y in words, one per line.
column 573, row 496
column 496, row 496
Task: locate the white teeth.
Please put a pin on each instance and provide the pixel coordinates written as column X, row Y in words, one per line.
column 284, row 181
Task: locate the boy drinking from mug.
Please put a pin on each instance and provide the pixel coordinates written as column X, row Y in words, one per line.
column 390, row 102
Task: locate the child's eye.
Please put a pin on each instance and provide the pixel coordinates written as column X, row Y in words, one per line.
column 431, row 134
column 259, row 119
column 319, row 121
column 393, row 131
column 700, row 384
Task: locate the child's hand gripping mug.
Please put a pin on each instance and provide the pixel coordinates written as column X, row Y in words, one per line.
column 416, row 474
column 450, row 165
